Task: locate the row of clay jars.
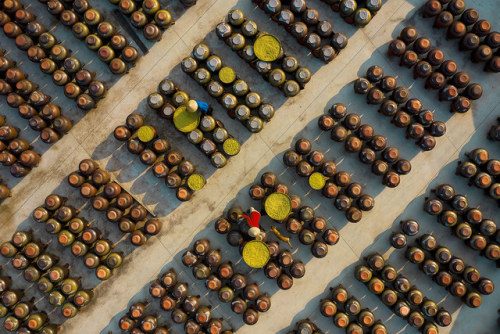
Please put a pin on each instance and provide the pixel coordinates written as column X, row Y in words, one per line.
column 436, row 261
column 361, row 139
column 478, row 233
column 210, row 134
column 151, row 19
column 396, row 102
column 174, row 298
column 235, row 96
column 119, row 205
column 440, row 74
column 42, row 48
column 32, row 104
column 239, row 34
column 15, row 152
column 396, row 291
column 469, row 29
column 355, row 12
column 223, row 279
column 331, row 190
column 347, row 312
column 44, row 270
column 242, row 43
column 482, row 172
column 14, row 149
column 166, row 163
column 309, row 31
column 94, row 30
column 75, row 232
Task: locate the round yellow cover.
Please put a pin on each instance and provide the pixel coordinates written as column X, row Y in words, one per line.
column 186, row 121
column 146, row 133
column 278, row 206
column 196, row 182
column 227, row 75
column 317, row 181
column 231, row 146
column 267, row 47
column 256, row 254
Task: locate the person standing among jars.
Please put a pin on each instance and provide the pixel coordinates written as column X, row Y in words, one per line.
column 194, row 106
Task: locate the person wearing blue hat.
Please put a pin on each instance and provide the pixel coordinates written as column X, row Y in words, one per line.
column 195, row 105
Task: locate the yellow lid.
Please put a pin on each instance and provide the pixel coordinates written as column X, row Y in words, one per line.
column 267, row 47
column 278, row 206
column 146, row 133
column 256, row 254
column 196, row 182
column 227, row 75
column 231, row 146
column 317, row 181
column 186, row 121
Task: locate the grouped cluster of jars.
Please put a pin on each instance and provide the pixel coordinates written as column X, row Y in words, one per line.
column 324, row 176
column 494, row 133
column 119, row 205
column 15, row 152
column 210, row 136
column 467, row 223
column 231, row 287
column 32, row 103
column 407, row 113
column 429, row 63
column 303, row 23
column 311, row 230
column 464, row 24
column 482, row 172
column 89, row 25
column 305, row 326
column 44, row 270
column 76, row 233
column 185, row 309
column 20, row 314
column 283, row 72
column 55, row 59
column 372, row 148
column 174, row 298
column 438, row 263
column 137, row 321
column 147, row 15
column 404, row 299
column 356, row 12
column 166, row 163
column 230, row 91
column 346, row 312
column 282, row 267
